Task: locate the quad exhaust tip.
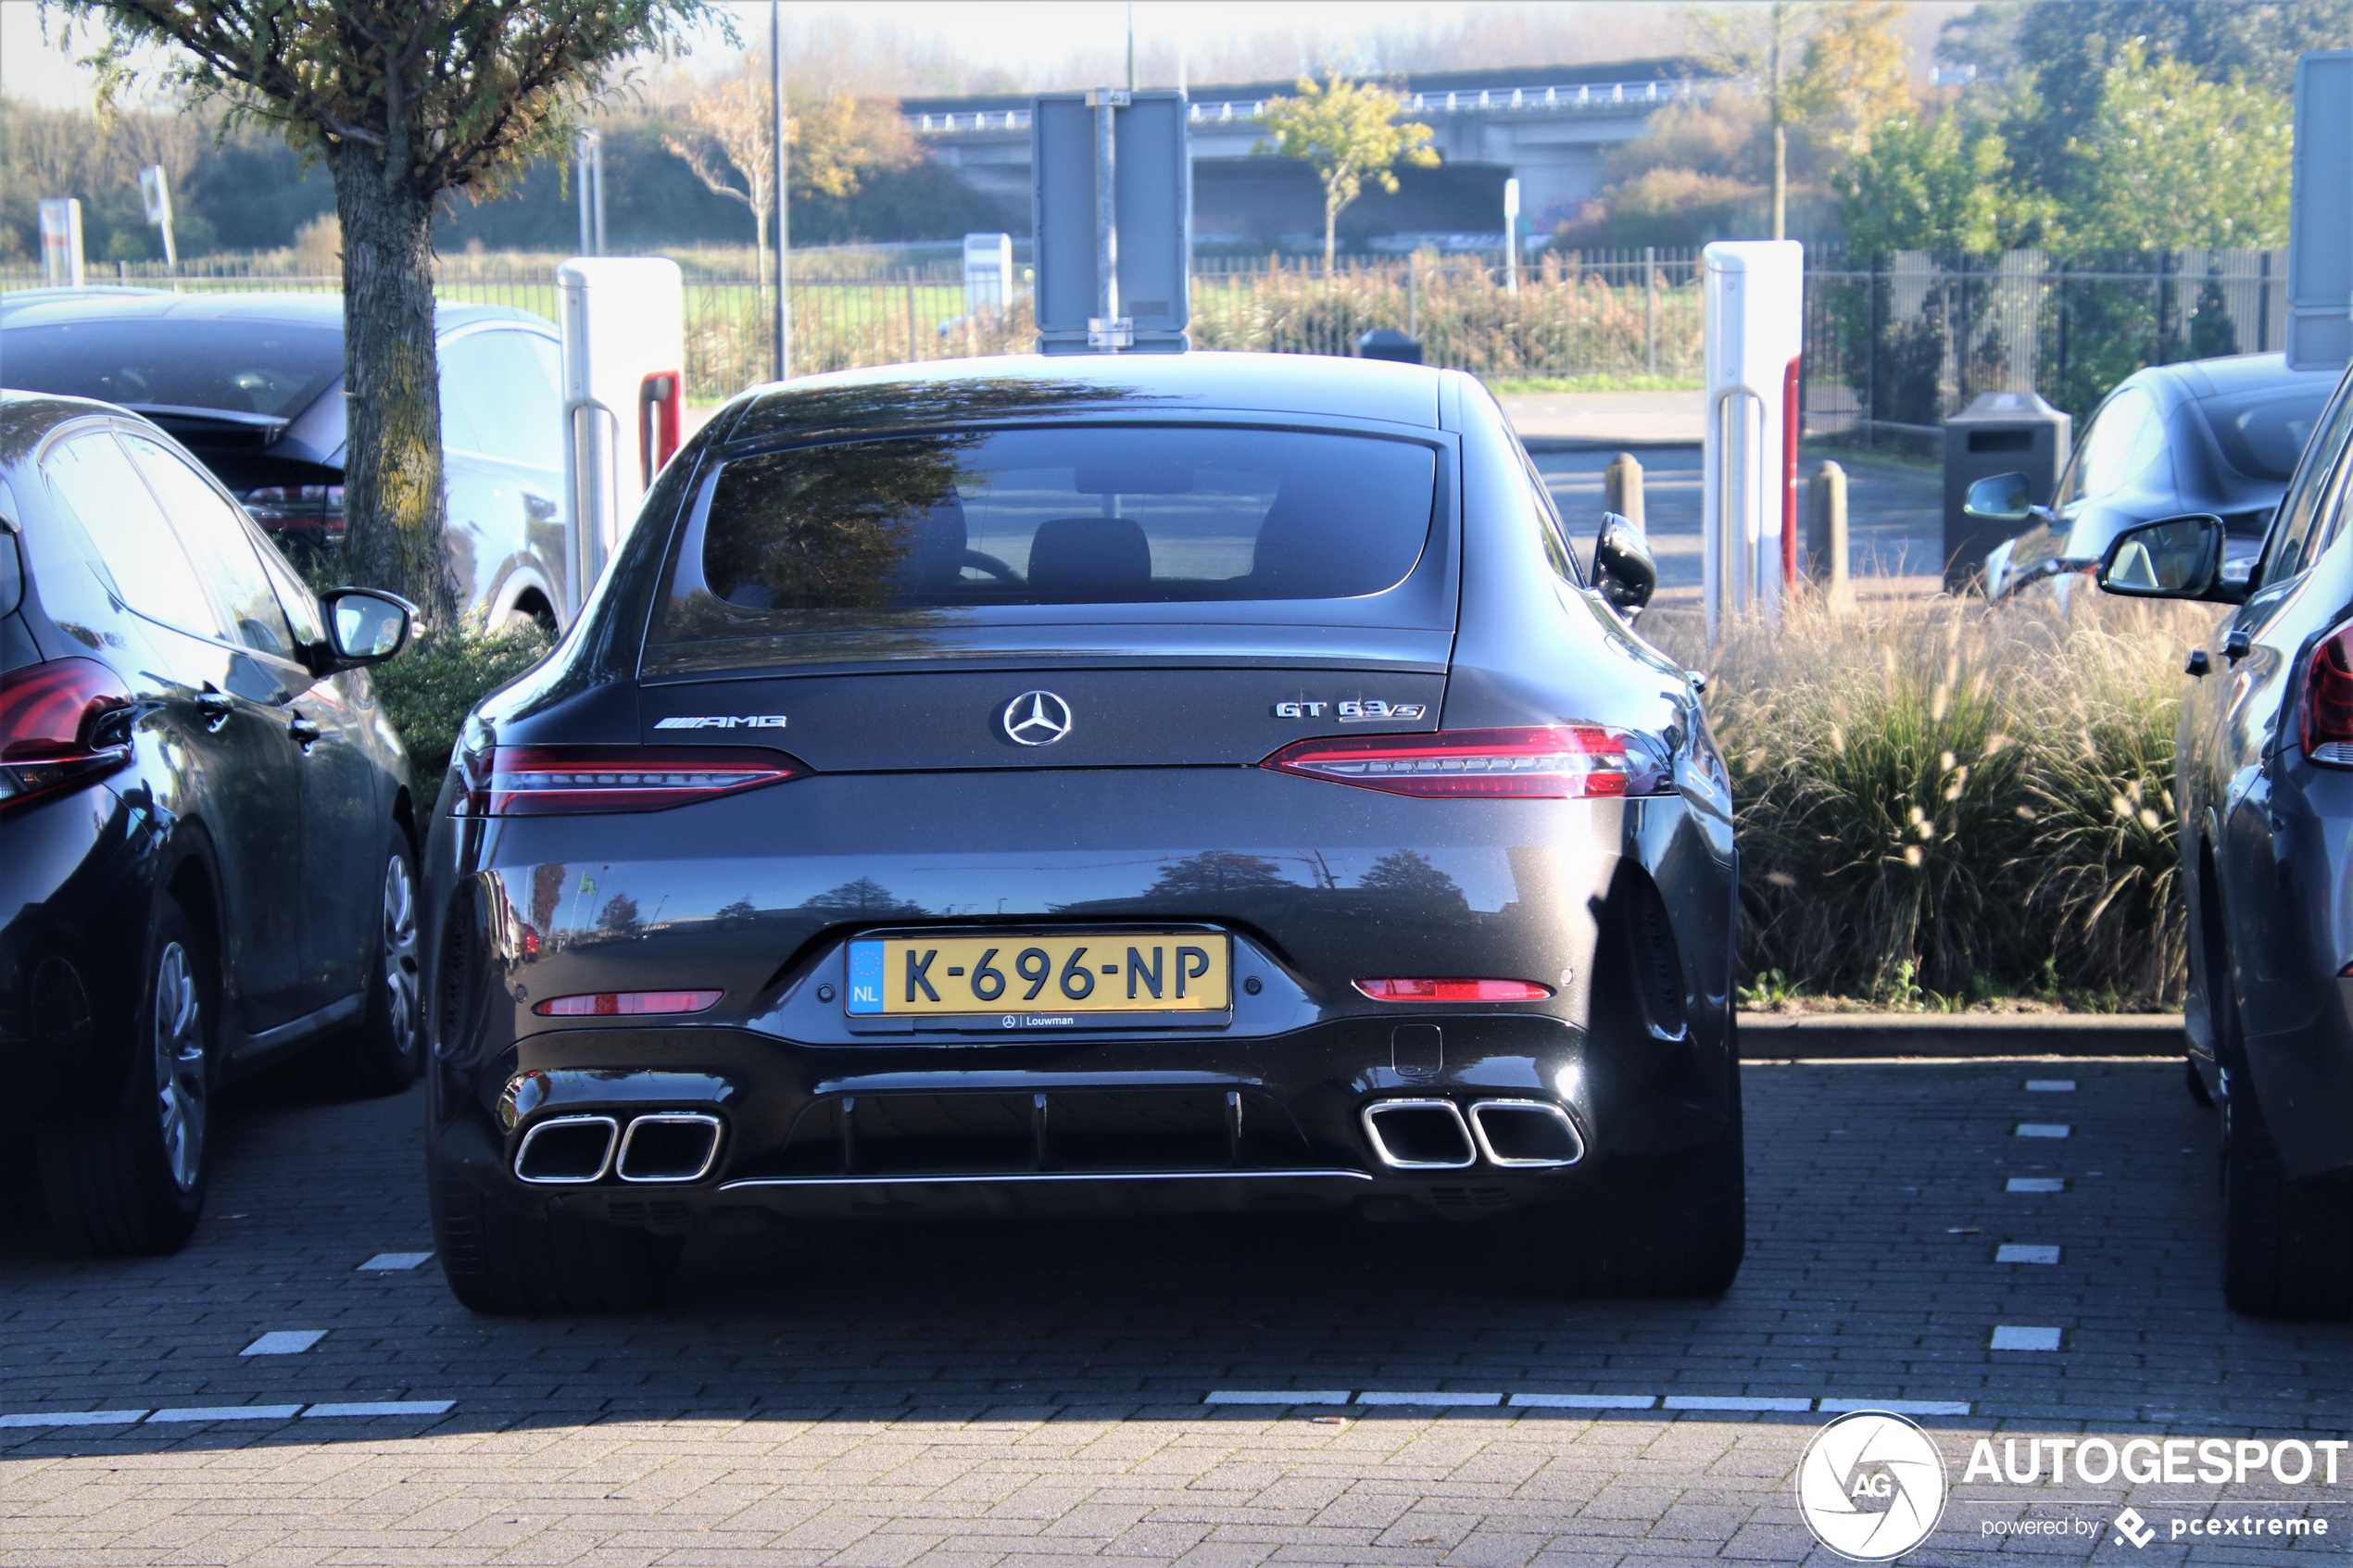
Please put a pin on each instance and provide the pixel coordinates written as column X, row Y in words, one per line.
column 670, row 1146
column 1419, row 1135
column 1432, row 1135
column 661, row 1147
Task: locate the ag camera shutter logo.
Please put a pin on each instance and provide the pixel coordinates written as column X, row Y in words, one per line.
column 1871, row 1485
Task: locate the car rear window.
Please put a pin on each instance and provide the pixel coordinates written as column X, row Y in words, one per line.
column 878, row 533
column 2262, row 433
column 271, row 367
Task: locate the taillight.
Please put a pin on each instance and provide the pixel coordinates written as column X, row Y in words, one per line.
column 627, row 1004
column 297, row 508
column 54, row 729
column 1453, row 990
column 2328, row 701
column 544, row 781
column 1557, row 762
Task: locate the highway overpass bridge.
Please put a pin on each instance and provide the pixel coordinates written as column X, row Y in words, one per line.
column 1551, row 127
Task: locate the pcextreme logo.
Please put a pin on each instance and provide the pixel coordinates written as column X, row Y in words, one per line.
column 1871, row 1485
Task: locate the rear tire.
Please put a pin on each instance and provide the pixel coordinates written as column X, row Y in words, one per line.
column 135, row 1182
column 383, row 1055
column 504, row 1263
column 2287, row 1244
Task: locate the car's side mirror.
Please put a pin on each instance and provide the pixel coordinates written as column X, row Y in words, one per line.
column 365, row 625
column 2176, row 557
column 1623, row 570
column 2006, row 497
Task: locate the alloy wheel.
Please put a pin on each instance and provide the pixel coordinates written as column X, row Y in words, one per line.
column 401, row 952
column 180, row 1066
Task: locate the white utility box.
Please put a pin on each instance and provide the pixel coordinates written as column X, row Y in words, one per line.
column 1754, row 309
column 623, row 320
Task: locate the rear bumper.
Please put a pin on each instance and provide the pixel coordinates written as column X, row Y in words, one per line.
column 1078, row 1127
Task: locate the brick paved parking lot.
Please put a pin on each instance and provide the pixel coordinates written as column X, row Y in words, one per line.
column 989, row 1395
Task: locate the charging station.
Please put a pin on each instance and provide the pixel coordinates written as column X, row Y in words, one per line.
column 623, row 321
column 1753, row 313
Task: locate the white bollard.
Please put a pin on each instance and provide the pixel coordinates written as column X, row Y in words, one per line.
column 1754, row 310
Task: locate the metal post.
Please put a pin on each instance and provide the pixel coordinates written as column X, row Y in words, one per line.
column 1650, row 309
column 596, row 170
column 911, row 355
column 776, row 175
column 1414, row 294
column 1511, row 236
column 2263, row 302
column 1622, row 488
column 1826, row 535
column 588, row 201
column 1109, row 330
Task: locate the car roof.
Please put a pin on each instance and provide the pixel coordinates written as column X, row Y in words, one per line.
column 2234, row 375
column 313, row 310
column 950, row 391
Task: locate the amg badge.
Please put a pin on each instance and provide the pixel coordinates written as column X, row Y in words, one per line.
column 722, row 721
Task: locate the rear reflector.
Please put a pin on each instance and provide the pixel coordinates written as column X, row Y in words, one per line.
column 534, row 781
column 627, row 1004
column 1557, row 762
column 54, row 728
column 1453, row 990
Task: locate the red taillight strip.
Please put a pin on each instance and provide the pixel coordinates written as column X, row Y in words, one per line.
column 2328, row 701
column 534, row 781
column 1453, row 990
column 627, row 1004
column 48, row 715
column 1555, row 762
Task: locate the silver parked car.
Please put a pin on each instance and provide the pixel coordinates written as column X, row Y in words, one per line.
column 253, row 385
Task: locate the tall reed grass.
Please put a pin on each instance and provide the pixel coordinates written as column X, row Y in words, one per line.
column 1943, row 800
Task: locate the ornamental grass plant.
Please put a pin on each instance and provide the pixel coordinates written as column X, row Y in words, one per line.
column 1942, row 802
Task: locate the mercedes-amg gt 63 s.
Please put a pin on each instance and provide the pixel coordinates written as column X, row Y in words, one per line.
column 1107, row 784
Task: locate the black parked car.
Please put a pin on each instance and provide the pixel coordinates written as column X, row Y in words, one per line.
column 253, row 385
column 2265, row 783
column 206, row 827
column 2205, row 436
column 1118, row 785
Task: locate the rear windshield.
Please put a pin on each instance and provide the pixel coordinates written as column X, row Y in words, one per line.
column 892, row 533
column 273, row 368
column 2262, row 434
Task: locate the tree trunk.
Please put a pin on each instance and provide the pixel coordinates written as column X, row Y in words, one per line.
column 1331, row 217
column 395, row 508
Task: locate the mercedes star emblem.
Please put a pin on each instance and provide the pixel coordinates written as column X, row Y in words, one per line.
column 1037, row 718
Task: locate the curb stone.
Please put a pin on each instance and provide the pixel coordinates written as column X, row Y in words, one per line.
column 1769, row 1036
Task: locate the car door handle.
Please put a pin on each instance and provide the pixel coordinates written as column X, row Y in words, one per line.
column 305, row 732
column 215, row 707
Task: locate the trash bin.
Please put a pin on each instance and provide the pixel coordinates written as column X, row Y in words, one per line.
column 2000, row 433
column 1386, row 343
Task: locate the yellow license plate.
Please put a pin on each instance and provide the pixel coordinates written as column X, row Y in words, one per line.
column 1014, row 974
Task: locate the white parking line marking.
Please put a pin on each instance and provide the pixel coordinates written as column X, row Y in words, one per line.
column 386, row 1263
column 2025, row 1253
column 284, row 1342
column 2051, row 1086
column 2041, row 1129
column 2036, row 1184
column 1587, row 1401
column 1379, row 1397
column 2012, row 1336
column 1733, row 1402
column 384, row 1407
column 1895, row 1407
column 74, row 1417
column 226, row 1412
column 1278, row 1397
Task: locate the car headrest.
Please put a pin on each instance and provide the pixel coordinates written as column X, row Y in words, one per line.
column 1294, row 543
column 934, row 543
column 1077, row 557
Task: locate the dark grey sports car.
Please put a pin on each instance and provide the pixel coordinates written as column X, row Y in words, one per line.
column 1135, row 784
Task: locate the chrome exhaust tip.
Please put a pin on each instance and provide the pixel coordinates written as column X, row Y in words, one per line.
column 669, row 1145
column 566, row 1150
column 1419, row 1135
column 1525, row 1133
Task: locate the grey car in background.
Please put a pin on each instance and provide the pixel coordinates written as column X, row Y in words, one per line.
column 2218, row 436
column 253, row 385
